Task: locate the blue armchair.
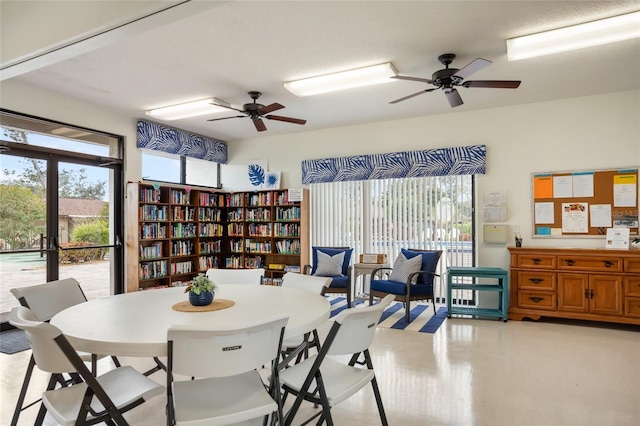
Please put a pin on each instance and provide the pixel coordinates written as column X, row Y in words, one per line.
column 411, row 278
column 334, row 262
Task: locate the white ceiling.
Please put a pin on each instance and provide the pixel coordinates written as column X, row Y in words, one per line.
column 239, row 46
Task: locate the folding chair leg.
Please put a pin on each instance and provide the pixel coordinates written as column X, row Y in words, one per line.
column 23, row 391
column 376, row 392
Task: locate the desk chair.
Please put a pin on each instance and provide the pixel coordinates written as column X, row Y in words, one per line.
column 334, row 262
column 328, row 381
column 89, row 399
column 299, row 346
column 44, row 301
column 223, row 360
column 236, row 276
column 411, row 278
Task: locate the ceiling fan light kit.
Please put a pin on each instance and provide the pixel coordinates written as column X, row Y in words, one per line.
column 359, row 77
column 609, row 30
column 186, row 110
column 448, row 79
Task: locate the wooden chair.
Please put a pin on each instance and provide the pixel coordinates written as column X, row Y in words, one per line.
column 341, row 277
column 414, row 285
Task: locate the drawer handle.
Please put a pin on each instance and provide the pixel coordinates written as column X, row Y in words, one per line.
column 536, row 299
column 536, row 280
column 608, row 263
column 536, row 261
column 570, row 262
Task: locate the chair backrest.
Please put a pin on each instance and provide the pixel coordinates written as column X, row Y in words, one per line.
column 236, row 276
column 430, row 260
column 310, row 283
column 46, row 352
column 331, row 252
column 218, row 351
column 357, row 328
column 46, row 300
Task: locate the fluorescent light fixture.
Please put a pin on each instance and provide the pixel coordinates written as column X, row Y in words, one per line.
column 359, row 77
column 189, row 109
column 609, row 30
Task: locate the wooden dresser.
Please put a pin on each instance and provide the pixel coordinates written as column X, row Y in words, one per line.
column 585, row 284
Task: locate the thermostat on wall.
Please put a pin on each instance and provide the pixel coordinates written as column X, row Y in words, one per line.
column 495, row 234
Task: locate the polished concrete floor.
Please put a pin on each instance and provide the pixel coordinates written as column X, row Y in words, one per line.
column 470, row 372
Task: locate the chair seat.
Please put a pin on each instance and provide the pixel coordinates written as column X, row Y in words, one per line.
column 124, row 385
column 339, row 282
column 221, row 400
column 395, row 287
column 340, row 380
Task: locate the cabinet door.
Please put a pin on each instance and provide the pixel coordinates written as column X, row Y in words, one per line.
column 605, row 294
column 573, row 292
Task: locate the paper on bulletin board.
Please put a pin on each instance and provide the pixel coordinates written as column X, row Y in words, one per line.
column 600, row 215
column 575, row 218
column 617, row 238
column 624, row 190
column 542, row 186
column 583, row 183
column 563, row 186
column 544, row 213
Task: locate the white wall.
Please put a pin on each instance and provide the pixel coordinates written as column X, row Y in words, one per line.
column 596, row 132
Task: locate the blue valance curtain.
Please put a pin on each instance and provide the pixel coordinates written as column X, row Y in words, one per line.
column 431, row 162
column 166, row 139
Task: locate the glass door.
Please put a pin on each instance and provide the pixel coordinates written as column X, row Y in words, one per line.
column 61, row 215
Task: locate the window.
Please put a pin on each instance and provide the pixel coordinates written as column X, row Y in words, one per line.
column 157, row 166
column 386, row 215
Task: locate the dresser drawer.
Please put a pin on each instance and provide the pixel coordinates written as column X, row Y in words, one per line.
column 632, row 286
column 537, row 261
column 536, row 280
column 537, row 300
column 632, row 307
column 632, row 264
column 590, row 263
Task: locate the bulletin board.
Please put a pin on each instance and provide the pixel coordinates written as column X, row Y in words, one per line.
column 585, row 203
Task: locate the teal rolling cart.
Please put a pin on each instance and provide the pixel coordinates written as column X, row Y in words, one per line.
column 456, row 281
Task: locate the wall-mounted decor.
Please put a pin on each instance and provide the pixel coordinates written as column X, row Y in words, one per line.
column 431, row 162
column 174, row 141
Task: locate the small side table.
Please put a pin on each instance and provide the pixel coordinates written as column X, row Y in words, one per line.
column 364, row 269
column 502, row 287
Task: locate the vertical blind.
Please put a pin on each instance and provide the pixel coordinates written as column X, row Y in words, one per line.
column 386, row 215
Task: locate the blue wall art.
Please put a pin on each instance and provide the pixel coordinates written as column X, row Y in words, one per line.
column 166, row 139
column 261, row 178
column 431, row 162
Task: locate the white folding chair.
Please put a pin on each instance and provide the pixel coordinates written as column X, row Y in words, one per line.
column 298, row 346
column 222, row 362
column 327, row 381
column 90, row 399
column 44, row 301
column 236, row 276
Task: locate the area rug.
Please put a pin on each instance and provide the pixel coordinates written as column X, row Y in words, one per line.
column 422, row 317
column 13, row 341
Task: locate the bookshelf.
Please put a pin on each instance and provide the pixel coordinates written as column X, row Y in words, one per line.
column 174, row 233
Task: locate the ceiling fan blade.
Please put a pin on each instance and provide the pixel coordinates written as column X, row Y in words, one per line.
column 287, row 119
column 224, row 104
column 259, row 124
column 497, row 84
column 401, row 77
column 453, row 97
column 472, row 67
column 270, row 108
column 411, row 96
column 226, row 118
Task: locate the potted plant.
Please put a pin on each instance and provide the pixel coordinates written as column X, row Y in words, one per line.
column 201, row 290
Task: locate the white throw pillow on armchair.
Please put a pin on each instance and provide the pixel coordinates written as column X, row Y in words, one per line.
column 404, row 267
column 329, row 266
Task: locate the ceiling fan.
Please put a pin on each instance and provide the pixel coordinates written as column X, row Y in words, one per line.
column 256, row 112
column 448, row 78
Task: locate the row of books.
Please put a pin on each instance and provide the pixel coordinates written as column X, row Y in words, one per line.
column 259, row 199
column 155, row 269
column 209, row 214
column 214, row 200
column 235, row 215
column 288, row 246
column 149, row 195
column 183, row 213
column 257, row 246
column 260, row 214
column 183, row 230
column 288, row 213
column 207, row 262
column 152, row 212
column 180, row 197
column 181, row 268
column 153, row 251
column 210, row 230
column 182, row 248
column 153, row 231
column 286, row 230
column 210, row 247
column 259, row 229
